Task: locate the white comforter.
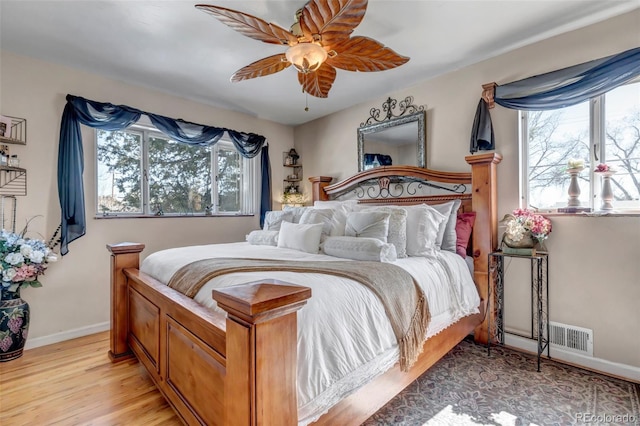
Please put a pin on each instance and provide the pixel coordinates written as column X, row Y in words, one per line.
column 343, row 341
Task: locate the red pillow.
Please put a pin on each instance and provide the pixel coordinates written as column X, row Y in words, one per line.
column 464, row 225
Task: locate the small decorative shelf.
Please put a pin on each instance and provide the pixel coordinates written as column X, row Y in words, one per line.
column 15, row 130
column 293, row 173
column 13, row 181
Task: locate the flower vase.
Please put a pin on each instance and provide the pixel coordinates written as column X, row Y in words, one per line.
column 14, row 324
column 527, row 241
column 607, row 191
column 574, row 187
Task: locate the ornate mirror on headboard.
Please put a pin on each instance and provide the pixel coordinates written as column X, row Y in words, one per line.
column 396, row 138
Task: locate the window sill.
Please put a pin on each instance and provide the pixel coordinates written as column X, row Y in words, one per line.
column 629, row 213
column 169, row 216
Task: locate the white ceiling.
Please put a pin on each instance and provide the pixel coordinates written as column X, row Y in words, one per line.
column 175, row 48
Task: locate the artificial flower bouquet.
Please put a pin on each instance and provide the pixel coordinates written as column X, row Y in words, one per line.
column 601, row 168
column 22, row 260
column 524, row 225
column 575, row 164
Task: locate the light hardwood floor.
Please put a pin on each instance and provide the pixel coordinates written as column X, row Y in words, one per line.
column 75, row 383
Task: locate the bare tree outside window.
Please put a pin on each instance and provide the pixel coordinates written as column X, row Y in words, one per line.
column 555, row 137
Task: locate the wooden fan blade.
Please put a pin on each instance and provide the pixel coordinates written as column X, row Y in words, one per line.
column 365, row 54
column 265, row 66
column 318, row 83
column 333, row 20
column 249, row 25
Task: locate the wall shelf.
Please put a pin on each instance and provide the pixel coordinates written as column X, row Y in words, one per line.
column 15, row 130
column 291, row 192
column 13, row 181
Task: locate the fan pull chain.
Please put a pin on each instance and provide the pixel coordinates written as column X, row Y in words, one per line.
column 306, row 101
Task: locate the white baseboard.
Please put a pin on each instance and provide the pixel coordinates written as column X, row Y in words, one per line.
column 621, row 370
column 66, row 335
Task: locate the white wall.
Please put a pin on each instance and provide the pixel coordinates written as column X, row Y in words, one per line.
column 76, row 289
column 594, row 267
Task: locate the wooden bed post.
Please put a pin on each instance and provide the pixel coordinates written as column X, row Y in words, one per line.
column 260, row 383
column 485, row 231
column 123, row 255
column 318, row 183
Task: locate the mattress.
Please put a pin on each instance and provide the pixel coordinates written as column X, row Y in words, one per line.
column 344, row 337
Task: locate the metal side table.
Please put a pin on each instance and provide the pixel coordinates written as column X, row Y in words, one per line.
column 539, row 299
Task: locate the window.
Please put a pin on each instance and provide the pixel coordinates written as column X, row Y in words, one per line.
column 605, row 129
column 142, row 172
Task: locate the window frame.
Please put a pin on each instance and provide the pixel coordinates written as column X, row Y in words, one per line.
column 248, row 185
column 597, row 155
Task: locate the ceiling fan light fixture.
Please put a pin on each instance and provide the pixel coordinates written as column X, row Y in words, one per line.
column 306, row 57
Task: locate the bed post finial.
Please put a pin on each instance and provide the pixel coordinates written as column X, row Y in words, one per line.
column 262, row 336
column 123, row 255
column 484, row 202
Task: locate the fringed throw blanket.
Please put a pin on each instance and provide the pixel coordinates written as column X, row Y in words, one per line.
column 404, row 301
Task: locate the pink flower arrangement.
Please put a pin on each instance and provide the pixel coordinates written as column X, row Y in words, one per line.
column 600, row 168
column 524, row 220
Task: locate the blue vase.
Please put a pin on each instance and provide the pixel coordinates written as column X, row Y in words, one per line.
column 14, row 325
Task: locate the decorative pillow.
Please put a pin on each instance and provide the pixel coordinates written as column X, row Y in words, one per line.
column 339, row 220
column 367, row 225
column 423, row 223
column 447, row 230
column 297, row 212
column 300, row 237
column 397, row 227
column 273, row 219
column 464, row 226
column 322, row 216
column 360, row 249
column 263, row 238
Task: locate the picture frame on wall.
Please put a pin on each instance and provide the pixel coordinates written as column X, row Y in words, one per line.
column 5, row 126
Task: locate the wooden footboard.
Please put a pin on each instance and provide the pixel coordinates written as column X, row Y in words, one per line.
column 238, row 369
column 214, row 370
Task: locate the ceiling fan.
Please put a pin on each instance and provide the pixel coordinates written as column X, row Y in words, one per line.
column 319, row 42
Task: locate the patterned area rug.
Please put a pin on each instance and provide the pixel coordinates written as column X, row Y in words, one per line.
column 467, row 387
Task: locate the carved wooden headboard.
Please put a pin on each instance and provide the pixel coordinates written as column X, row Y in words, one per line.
column 413, row 185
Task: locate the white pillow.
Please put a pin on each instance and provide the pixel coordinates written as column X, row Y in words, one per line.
column 360, row 249
column 273, row 219
column 447, row 232
column 332, row 204
column 339, row 220
column 322, row 216
column 423, row 223
column 263, row 238
column 397, row 227
column 297, row 212
column 367, row 225
column 300, row 237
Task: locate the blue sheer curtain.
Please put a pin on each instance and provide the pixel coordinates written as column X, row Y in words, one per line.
column 570, row 86
column 111, row 117
column 265, row 196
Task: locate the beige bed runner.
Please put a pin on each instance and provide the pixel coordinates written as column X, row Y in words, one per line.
column 404, row 301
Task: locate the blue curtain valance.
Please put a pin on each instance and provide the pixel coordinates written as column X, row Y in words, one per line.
column 111, row 117
column 570, row 86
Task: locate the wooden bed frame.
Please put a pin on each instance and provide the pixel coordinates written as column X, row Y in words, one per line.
column 240, row 369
